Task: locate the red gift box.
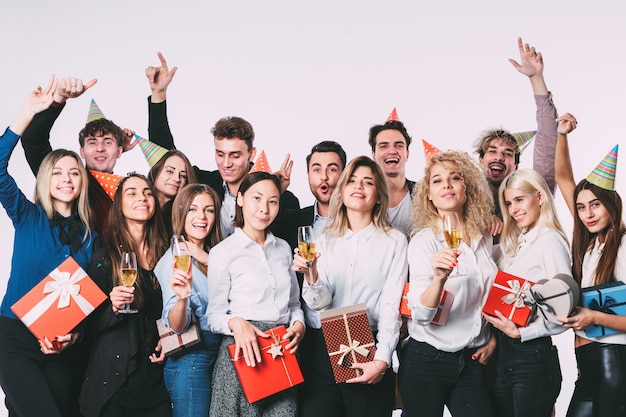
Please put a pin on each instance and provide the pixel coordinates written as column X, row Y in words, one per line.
column 507, row 296
column 348, row 338
column 277, row 371
column 59, row 302
column 443, row 310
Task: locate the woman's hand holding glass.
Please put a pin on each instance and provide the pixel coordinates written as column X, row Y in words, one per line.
column 305, row 267
column 182, row 262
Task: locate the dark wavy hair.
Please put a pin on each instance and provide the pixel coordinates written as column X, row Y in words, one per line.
column 390, row 125
column 118, row 238
column 582, row 239
column 101, row 127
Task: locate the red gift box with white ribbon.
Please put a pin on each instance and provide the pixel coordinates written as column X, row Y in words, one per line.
column 59, row 302
column 507, row 295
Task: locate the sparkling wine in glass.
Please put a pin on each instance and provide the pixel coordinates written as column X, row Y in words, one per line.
column 128, row 275
column 306, row 244
column 182, row 258
column 452, row 231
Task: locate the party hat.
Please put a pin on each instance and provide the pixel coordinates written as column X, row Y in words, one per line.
column 429, row 150
column 108, row 182
column 604, row 174
column 151, row 150
column 261, row 164
column 393, row 116
column 523, row 139
column 94, row 112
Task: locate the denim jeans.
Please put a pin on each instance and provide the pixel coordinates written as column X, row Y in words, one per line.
column 188, row 378
column 527, row 377
column 429, row 379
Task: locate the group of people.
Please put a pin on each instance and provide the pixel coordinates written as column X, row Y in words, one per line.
column 374, row 231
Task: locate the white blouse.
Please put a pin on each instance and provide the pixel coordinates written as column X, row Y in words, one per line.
column 252, row 282
column 542, row 253
column 366, row 267
column 590, row 263
column 469, row 282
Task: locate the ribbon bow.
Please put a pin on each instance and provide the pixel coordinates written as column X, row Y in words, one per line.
column 604, row 308
column 538, row 303
column 517, row 293
column 346, row 350
column 64, row 287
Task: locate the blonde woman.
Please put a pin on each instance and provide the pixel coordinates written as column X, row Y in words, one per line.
column 36, row 375
column 445, row 365
column 533, row 246
column 361, row 260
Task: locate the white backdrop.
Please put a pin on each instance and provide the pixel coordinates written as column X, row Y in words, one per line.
column 302, row 73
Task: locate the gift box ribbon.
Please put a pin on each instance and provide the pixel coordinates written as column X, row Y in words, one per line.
column 63, row 287
column 605, row 307
column 516, row 296
column 277, row 342
column 537, row 302
column 352, row 348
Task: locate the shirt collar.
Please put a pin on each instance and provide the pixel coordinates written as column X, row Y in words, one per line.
column 270, row 239
column 366, row 233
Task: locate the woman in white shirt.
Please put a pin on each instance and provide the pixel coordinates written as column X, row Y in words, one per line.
column 252, row 290
column 533, row 246
column 444, row 365
column 599, row 257
column 361, row 259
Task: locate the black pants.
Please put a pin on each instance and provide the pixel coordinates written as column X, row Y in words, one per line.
column 34, row 384
column 112, row 409
column 429, row 379
column 319, row 395
column 601, row 385
column 528, row 377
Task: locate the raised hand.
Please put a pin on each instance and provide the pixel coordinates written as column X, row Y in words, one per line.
column 37, row 101
column 129, row 141
column 567, row 123
column 284, row 174
column 531, row 61
column 159, row 79
column 71, row 88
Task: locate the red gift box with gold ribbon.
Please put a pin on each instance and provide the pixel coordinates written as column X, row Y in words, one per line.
column 507, row 295
column 348, row 338
column 59, row 302
column 277, row 371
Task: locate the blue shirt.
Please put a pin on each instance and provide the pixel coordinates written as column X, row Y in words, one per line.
column 37, row 250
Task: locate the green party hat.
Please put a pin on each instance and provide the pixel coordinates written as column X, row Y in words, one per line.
column 604, row 174
column 523, row 139
column 94, row 112
column 151, row 150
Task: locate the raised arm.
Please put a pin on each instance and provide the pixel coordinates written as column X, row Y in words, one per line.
column 36, row 138
column 159, row 78
column 531, row 65
column 563, row 163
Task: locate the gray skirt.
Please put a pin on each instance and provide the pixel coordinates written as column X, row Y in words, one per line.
column 227, row 397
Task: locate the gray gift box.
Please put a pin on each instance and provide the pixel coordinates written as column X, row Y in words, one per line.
column 555, row 297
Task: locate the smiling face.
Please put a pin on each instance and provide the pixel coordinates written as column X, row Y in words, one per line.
column 524, row 207
column 446, row 189
column 498, row 161
column 65, row 183
column 391, row 153
column 137, row 200
column 101, row 152
column 592, row 212
column 233, row 160
column 324, row 172
column 360, row 192
column 259, row 206
column 200, row 218
column 171, row 179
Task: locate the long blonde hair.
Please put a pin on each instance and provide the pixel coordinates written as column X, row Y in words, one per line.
column 43, row 197
column 478, row 207
column 337, row 217
column 528, row 181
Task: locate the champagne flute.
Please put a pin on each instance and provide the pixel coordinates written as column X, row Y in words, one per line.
column 306, row 245
column 128, row 275
column 182, row 258
column 452, row 231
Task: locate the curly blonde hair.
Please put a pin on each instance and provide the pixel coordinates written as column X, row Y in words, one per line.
column 478, row 208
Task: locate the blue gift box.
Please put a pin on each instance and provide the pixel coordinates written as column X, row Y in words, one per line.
column 609, row 298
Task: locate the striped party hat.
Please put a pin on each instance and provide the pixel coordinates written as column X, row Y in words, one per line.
column 94, row 112
column 151, row 150
column 393, row 116
column 108, row 182
column 261, row 164
column 523, row 139
column 604, row 174
column 429, row 150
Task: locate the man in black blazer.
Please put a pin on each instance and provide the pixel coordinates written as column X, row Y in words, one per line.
column 324, row 165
